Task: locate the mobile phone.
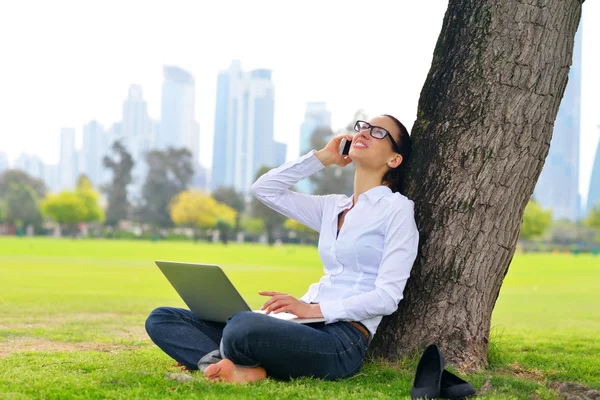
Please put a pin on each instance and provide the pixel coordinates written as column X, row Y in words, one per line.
column 344, row 146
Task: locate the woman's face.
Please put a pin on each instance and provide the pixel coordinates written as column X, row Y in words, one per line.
column 374, row 153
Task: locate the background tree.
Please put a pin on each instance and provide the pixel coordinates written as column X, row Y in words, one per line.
column 21, row 206
column 253, row 226
column 226, row 219
column 535, row 220
column 234, row 199
column 65, row 208
column 272, row 219
column 483, row 129
column 593, row 218
column 304, row 233
column 194, row 209
column 90, row 199
column 197, row 210
column 120, row 164
column 563, row 232
column 169, row 173
column 18, row 177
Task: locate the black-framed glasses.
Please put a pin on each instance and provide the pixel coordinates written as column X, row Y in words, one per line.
column 377, row 132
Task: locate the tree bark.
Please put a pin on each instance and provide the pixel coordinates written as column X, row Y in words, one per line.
column 483, row 129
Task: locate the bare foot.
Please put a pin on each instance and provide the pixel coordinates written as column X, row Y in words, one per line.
column 225, row 370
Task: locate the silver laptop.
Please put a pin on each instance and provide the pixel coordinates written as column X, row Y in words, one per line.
column 209, row 293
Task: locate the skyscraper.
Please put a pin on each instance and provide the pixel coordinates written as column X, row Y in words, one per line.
column 30, row 164
column 178, row 127
column 243, row 126
column 280, row 153
column 67, row 173
column 33, row 166
column 51, row 177
column 138, row 133
column 593, row 199
column 201, row 179
column 316, row 116
column 93, row 150
column 558, row 184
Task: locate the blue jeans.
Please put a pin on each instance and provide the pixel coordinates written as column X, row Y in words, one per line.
column 284, row 349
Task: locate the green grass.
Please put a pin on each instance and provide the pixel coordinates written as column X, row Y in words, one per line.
column 72, row 315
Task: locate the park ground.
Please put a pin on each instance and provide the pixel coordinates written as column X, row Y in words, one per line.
column 72, row 314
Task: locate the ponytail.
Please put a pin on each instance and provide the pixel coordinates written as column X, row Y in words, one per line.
column 394, row 177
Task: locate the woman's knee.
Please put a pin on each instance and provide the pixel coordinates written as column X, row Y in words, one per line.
column 241, row 323
column 156, row 316
column 240, row 330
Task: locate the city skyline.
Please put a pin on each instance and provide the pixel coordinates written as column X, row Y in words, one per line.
column 139, row 133
column 558, row 183
column 72, row 87
column 243, row 133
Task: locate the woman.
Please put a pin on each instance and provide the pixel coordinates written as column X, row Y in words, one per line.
column 367, row 243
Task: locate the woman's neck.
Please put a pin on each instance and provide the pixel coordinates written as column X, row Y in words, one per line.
column 364, row 180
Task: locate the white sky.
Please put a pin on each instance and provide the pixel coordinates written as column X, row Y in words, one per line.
column 64, row 63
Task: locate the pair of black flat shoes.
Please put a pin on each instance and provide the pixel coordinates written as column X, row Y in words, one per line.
column 433, row 381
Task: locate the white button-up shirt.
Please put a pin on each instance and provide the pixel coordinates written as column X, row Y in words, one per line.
column 368, row 264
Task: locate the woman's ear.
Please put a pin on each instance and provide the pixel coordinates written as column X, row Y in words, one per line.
column 396, row 161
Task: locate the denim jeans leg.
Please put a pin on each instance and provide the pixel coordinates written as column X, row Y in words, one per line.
column 289, row 350
column 184, row 337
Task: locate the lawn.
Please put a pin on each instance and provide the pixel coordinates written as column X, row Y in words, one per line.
column 72, row 315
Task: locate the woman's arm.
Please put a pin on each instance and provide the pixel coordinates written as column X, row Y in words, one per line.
column 399, row 253
column 272, row 188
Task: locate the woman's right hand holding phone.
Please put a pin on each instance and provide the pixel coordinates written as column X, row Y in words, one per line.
column 329, row 155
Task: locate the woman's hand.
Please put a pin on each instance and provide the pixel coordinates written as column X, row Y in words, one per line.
column 329, row 155
column 282, row 302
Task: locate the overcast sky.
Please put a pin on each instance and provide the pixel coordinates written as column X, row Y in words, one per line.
column 67, row 62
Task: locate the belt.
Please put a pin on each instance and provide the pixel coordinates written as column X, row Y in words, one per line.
column 361, row 328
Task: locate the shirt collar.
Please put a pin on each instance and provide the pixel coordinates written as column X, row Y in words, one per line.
column 374, row 195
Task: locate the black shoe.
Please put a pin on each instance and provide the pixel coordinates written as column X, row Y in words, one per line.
column 428, row 378
column 454, row 387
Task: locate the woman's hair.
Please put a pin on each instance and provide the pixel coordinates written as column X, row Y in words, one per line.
column 394, row 178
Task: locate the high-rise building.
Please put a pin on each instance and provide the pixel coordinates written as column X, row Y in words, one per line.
column 30, row 164
column 243, row 126
column 558, row 184
column 135, row 121
column 316, row 116
column 67, row 169
column 201, row 179
column 51, row 177
column 178, row 126
column 93, row 150
column 4, row 164
column 138, row 133
column 280, row 153
column 33, row 166
column 593, row 199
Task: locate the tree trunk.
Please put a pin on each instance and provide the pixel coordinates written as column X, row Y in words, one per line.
column 483, row 130
column 270, row 230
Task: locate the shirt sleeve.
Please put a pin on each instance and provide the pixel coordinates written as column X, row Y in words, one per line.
column 399, row 253
column 272, row 189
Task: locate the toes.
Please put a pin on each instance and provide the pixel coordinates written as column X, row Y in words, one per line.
column 211, row 370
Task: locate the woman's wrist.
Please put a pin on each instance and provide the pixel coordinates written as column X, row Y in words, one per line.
column 325, row 157
column 315, row 311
